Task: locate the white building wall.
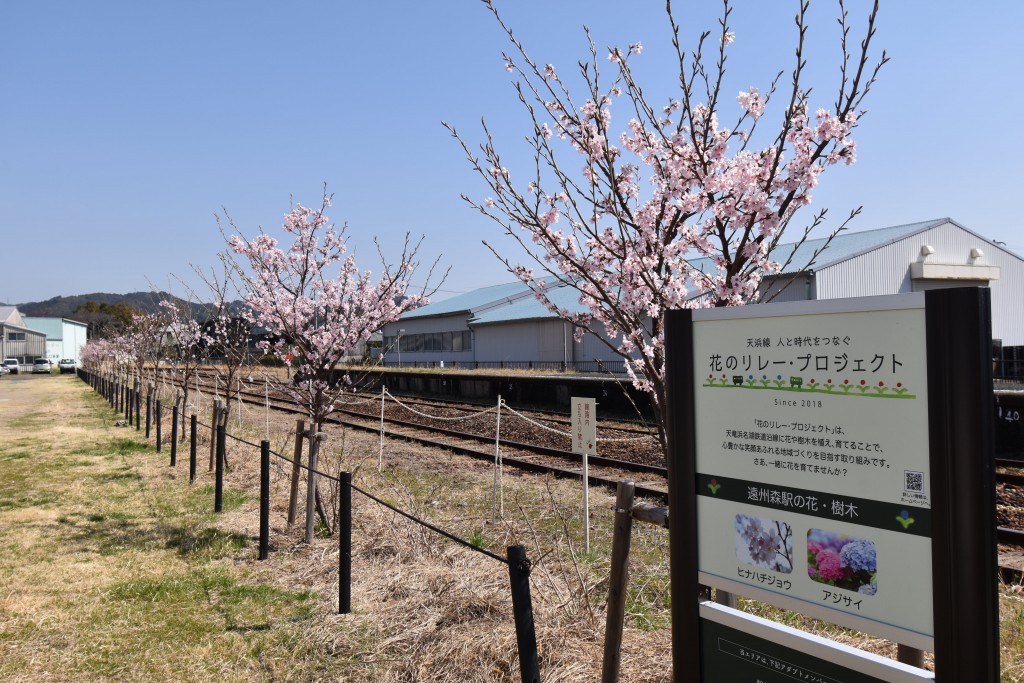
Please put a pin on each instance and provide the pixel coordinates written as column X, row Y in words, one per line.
column 886, row 270
column 428, row 325
column 787, row 288
column 74, row 338
column 539, row 340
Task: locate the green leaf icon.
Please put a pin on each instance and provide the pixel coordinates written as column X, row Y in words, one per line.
column 714, row 486
column 905, row 519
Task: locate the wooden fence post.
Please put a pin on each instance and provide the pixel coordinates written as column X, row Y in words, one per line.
column 300, row 426
column 522, row 610
column 909, row 655
column 617, row 582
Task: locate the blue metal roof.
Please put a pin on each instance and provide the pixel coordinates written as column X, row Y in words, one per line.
column 528, row 308
column 514, row 301
column 846, row 245
column 478, row 299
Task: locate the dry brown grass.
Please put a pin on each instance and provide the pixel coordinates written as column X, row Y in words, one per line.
column 159, row 588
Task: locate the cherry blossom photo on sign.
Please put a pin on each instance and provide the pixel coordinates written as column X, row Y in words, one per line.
column 764, row 543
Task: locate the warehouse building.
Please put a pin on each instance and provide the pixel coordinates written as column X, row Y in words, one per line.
column 505, row 326
column 17, row 340
column 64, row 338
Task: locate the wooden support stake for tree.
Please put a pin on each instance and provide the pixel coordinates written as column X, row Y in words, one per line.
column 293, row 495
column 159, row 422
column 321, row 510
column 618, row 581
column 214, row 422
column 314, row 449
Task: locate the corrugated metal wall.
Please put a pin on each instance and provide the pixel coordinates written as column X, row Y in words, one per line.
column 887, row 271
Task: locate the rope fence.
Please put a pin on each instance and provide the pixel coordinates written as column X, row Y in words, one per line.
column 518, row 565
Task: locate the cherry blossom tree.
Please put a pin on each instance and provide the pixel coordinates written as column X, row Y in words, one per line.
column 188, row 343
column 316, row 304
column 98, row 355
column 311, row 297
column 674, row 208
column 226, row 330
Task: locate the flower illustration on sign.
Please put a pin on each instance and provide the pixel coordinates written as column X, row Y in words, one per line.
column 714, row 486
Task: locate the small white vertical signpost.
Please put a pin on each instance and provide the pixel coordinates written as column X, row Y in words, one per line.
column 584, row 442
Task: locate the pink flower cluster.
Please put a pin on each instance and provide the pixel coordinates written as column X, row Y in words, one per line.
column 313, row 298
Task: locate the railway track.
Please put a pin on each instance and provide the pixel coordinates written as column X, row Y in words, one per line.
column 604, row 471
column 650, row 479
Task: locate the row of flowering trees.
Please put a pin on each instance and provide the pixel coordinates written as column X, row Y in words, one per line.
column 313, row 304
column 684, row 205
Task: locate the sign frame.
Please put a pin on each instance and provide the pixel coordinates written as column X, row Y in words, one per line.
column 960, row 439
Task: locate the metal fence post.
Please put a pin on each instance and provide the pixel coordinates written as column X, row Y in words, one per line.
column 345, row 543
column 174, row 435
column 218, row 492
column 522, row 610
column 264, row 499
column 192, row 450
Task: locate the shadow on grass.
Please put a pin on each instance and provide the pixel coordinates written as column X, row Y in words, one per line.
column 108, row 533
column 208, row 543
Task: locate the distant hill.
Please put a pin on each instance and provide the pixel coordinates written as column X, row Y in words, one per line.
column 147, row 302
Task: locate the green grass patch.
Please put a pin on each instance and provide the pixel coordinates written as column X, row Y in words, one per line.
column 13, row 503
column 205, row 544
column 128, row 446
column 16, row 455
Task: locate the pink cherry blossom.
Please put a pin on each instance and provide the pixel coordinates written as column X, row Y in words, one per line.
column 673, row 208
column 313, row 299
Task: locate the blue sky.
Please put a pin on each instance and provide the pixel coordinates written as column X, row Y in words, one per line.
column 125, row 126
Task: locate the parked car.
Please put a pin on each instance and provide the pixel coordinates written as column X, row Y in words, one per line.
column 67, row 365
column 42, row 365
column 12, row 365
column 4, row 370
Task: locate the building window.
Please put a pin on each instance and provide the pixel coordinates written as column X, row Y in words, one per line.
column 15, row 336
column 432, row 341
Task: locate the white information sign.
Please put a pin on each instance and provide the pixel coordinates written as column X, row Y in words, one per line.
column 813, row 460
column 584, row 425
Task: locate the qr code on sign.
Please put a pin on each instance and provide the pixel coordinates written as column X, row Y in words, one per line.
column 913, row 481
